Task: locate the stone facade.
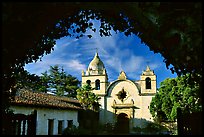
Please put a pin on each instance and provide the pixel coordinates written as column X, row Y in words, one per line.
column 122, row 97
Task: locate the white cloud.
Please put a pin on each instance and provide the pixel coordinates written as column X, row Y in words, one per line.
column 155, row 65
column 37, row 68
column 75, row 65
column 113, row 63
column 65, row 41
column 133, row 63
column 69, row 65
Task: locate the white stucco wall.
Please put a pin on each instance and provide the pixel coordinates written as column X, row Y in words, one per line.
column 43, row 114
column 139, row 115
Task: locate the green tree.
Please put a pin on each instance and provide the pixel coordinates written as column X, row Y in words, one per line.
column 87, row 98
column 53, row 79
column 64, row 84
column 30, row 81
column 174, row 93
column 44, row 82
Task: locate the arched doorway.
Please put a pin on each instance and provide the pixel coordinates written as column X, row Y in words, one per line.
column 122, row 124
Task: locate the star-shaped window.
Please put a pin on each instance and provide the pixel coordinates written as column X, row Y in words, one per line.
column 122, row 94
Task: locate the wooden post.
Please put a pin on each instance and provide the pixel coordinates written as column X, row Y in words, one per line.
column 179, row 122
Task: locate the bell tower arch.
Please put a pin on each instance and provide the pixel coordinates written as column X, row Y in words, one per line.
column 148, row 81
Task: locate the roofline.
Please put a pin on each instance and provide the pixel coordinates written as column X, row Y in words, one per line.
column 118, row 81
column 46, row 106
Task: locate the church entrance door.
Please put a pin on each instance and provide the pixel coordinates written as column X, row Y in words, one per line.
column 122, row 124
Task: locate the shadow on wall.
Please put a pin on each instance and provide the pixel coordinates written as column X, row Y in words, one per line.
column 89, row 125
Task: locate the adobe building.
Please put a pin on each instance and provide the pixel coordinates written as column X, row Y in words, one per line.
column 122, row 101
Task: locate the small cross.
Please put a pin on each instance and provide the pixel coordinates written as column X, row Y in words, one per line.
column 96, row 50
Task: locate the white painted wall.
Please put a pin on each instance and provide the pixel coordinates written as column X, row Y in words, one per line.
column 43, row 114
column 140, row 116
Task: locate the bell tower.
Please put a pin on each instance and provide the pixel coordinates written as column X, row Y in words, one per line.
column 148, row 81
column 96, row 76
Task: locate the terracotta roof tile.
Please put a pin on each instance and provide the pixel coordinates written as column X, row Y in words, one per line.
column 26, row 97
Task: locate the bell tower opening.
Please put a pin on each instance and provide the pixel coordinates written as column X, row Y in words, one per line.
column 148, row 83
column 88, row 82
column 97, row 84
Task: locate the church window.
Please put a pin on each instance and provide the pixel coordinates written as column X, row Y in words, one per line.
column 122, row 94
column 88, row 82
column 148, row 83
column 97, row 84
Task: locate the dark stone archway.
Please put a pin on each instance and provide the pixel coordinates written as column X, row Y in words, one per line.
column 122, row 124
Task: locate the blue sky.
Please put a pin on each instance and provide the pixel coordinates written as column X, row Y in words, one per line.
column 117, row 52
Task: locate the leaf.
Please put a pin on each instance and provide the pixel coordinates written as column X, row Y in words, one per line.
column 89, row 36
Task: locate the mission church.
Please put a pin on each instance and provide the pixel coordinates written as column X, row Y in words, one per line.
column 123, row 101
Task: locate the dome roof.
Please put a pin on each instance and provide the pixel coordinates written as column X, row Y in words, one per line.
column 96, row 63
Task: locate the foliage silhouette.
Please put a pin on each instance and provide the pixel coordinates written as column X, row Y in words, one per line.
column 30, row 31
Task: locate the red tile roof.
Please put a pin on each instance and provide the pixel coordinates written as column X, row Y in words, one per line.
column 30, row 98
